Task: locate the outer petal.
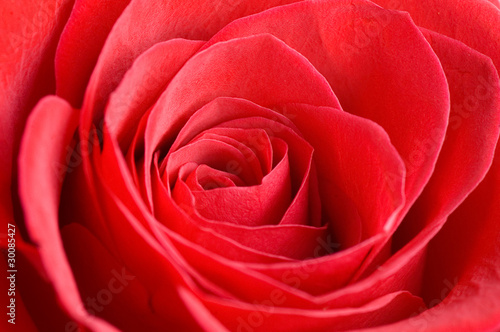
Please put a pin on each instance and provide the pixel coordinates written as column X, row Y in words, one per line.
column 29, row 34
column 474, row 303
column 111, row 291
column 463, row 267
column 145, row 23
column 473, row 22
column 471, row 137
column 81, row 43
column 29, row 31
column 267, row 315
column 143, row 83
column 49, row 130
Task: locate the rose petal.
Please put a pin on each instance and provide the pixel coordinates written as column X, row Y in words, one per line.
column 49, row 130
column 471, row 137
column 111, row 291
column 128, row 219
column 211, row 234
column 204, row 177
column 339, row 139
column 143, row 83
column 200, row 313
column 134, row 156
column 261, row 204
column 299, row 150
column 474, row 302
column 87, row 29
column 216, row 154
column 484, row 14
column 125, row 191
column 399, row 272
column 129, row 102
column 217, row 236
column 462, row 271
column 472, row 22
column 158, row 301
column 267, row 315
column 329, row 270
column 228, row 109
column 30, row 32
column 122, row 221
column 231, row 274
column 337, row 128
column 220, row 110
column 255, row 142
column 123, row 186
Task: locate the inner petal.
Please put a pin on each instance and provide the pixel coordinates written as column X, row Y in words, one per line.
column 250, row 156
column 256, row 139
column 263, row 204
column 214, row 153
column 299, row 149
column 210, row 178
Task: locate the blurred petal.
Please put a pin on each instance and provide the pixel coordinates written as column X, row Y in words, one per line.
column 29, row 34
column 81, row 43
column 48, row 132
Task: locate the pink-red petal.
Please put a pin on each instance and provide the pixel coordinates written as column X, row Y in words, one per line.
column 81, row 43
column 471, row 138
column 30, row 32
column 49, row 130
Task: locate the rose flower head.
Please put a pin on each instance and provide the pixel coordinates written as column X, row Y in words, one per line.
column 280, row 165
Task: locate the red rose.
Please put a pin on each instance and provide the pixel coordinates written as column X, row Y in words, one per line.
column 251, row 166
